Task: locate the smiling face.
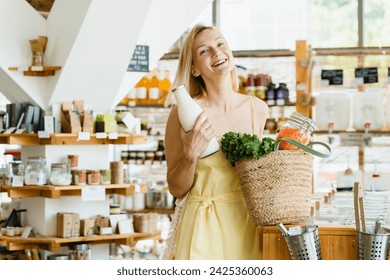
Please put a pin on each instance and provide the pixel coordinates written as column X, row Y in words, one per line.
column 211, row 55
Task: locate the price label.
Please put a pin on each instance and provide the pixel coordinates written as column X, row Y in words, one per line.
column 368, row 75
column 84, row 136
column 113, row 135
column 43, row 134
column 101, row 135
column 333, row 77
column 17, row 181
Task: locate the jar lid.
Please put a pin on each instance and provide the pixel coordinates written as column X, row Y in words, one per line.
column 60, row 165
column 303, row 119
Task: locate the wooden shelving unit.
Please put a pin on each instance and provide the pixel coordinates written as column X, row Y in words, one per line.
column 59, row 191
column 37, row 71
column 149, row 210
column 53, row 244
column 70, row 139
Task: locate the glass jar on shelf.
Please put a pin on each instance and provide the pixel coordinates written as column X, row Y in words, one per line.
column 60, row 174
column 299, row 128
column 36, row 171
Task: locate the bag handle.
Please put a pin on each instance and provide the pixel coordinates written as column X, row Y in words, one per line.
column 306, row 148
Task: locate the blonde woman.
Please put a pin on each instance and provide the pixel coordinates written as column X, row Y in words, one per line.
column 215, row 223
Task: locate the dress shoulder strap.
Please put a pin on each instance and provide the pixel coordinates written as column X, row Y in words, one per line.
column 253, row 114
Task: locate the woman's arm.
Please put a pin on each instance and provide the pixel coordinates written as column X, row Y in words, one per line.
column 182, row 151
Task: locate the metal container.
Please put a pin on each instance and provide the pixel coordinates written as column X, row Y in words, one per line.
column 374, row 246
column 79, row 251
column 58, row 257
column 305, row 246
column 159, row 199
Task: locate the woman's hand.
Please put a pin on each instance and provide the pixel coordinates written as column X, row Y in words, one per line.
column 196, row 141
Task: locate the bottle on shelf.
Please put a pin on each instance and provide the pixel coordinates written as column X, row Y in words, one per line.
column 250, row 88
column 270, row 95
column 159, row 155
column 189, row 111
column 154, row 90
column 142, row 88
column 282, row 94
column 260, row 86
column 164, row 85
column 132, row 97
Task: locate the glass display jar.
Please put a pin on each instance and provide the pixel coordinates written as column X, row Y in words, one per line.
column 299, row 128
column 36, row 171
column 60, row 174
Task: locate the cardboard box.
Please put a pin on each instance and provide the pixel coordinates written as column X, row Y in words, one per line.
column 87, row 122
column 87, row 227
column 68, row 225
column 101, row 222
column 70, row 120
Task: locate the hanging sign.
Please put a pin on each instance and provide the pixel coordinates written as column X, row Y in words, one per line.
column 366, row 75
column 332, row 77
column 140, row 60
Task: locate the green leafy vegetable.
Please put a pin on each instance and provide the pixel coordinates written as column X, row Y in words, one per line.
column 241, row 146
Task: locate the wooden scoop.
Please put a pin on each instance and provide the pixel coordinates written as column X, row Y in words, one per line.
column 360, row 218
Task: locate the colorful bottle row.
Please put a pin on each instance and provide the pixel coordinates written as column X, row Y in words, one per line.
column 152, row 89
column 261, row 85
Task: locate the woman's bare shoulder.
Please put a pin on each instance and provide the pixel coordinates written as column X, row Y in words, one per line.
column 260, row 106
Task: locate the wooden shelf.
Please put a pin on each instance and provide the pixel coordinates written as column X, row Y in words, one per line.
column 148, row 210
column 37, row 71
column 59, row 191
column 52, row 243
column 70, row 139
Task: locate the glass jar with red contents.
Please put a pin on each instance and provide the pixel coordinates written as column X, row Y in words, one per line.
column 299, row 128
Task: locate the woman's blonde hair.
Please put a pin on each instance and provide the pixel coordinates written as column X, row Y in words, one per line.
column 195, row 85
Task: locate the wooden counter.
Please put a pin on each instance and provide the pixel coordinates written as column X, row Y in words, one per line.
column 337, row 243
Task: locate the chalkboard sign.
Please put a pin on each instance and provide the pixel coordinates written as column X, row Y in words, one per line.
column 140, row 60
column 366, row 75
column 333, row 77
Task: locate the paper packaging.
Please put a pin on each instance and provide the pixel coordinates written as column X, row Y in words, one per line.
column 87, row 227
column 70, row 121
column 87, row 122
column 101, row 222
column 68, row 224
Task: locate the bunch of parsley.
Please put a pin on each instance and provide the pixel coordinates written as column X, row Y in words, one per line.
column 241, row 146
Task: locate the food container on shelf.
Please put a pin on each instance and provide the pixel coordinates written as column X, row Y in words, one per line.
column 36, row 171
column 159, row 199
column 333, row 110
column 60, row 174
column 79, row 251
column 58, row 257
column 368, row 110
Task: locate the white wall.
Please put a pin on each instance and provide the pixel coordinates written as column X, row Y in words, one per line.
column 93, row 42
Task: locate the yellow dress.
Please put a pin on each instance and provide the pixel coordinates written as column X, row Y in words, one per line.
column 216, row 224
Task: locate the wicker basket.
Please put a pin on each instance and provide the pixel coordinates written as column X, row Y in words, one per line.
column 277, row 187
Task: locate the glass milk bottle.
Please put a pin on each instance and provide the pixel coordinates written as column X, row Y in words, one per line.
column 189, row 111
